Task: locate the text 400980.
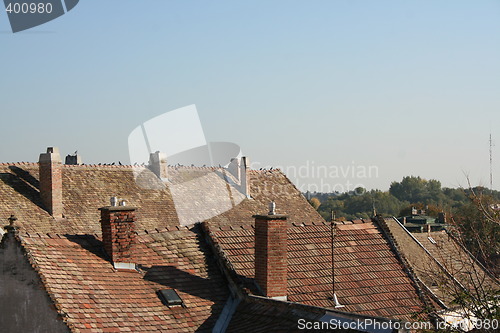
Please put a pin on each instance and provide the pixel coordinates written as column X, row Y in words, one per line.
column 29, row 8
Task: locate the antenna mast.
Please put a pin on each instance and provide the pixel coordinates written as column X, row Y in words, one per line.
column 332, row 234
column 491, row 164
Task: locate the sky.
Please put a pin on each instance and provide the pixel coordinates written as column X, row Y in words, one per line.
column 338, row 94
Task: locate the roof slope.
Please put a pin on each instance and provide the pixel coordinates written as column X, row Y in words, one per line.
column 92, row 296
column 368, row 277
column 192, row 194
column 267, row 186
column 457, row 261
column 443, row 265
column 258, row 314
column 85, row 189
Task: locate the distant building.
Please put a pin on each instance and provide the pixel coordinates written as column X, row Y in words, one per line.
column 418, row 221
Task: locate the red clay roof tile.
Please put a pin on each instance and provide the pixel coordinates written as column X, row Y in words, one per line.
column 84, row 285
column 368, row 277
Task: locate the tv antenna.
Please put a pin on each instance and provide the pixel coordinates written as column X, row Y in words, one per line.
column 491, row 163
column 334, row 298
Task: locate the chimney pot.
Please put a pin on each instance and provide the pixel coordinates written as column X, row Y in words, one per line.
column 272, row 208
column 12, row 219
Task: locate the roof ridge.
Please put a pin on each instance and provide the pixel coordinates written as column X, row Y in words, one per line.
column 279, row 171
column 52, row 235
column 309, row 224
column 196, row 168
column 138, row 232
column 161, row 230
column 18, row 163
column 125, row 166
column 214, row 227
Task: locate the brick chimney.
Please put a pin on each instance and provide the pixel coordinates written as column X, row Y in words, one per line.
column 50, row 172
column 118, row 235
column 271, row 254
column 158, row 164
column 74, row 159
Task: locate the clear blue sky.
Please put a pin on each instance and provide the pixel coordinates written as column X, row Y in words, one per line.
column 410, row 87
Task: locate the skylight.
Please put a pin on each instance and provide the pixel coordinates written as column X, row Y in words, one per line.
column 170, row 297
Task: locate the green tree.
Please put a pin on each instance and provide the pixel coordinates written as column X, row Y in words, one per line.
column 412, row 189
column 315, row 203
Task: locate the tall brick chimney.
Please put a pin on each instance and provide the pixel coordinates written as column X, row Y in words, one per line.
column 118, row 235
column 271, row 254
column 50, row 172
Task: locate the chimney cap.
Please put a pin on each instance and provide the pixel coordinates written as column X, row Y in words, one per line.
column 12, row 219
column 118, row 208
column 270, row 217
column 11, row 227
column 52, row 155
column 52, row 150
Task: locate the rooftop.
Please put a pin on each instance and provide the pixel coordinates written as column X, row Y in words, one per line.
column 369, row 279
column 441, row 264
column 86, row 288
column 194, row 194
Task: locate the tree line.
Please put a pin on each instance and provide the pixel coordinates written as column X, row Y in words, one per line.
column 402, row 196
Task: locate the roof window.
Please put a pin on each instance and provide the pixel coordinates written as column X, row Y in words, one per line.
column 169, row 297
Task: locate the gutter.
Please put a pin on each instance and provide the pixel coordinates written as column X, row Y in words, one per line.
column 226, row 315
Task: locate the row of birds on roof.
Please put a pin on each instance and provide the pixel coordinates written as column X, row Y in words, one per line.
column 119, row 163
column 177, row 165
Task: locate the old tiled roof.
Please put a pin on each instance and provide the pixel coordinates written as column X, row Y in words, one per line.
column 266, row 186
column 87, row 187
column 269, row 316
column 457, row 261
column 260, row 314
column 441, row 264
column 369, row 279
column 92, row 296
